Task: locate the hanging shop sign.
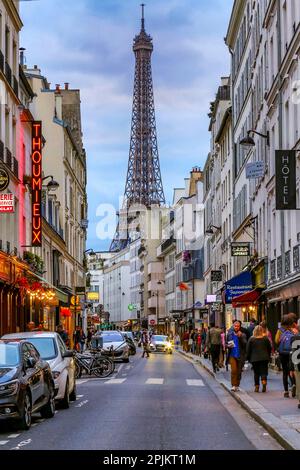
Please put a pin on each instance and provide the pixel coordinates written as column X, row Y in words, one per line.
column 7, row 203
column 255, row 170
column 4, row 179
column 240, row 249
column 94, row 296
column 216, row 276
column 238, row 285
column 285, row 179
column 36, row 159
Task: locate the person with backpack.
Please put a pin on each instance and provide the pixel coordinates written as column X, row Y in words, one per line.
column 283, row 340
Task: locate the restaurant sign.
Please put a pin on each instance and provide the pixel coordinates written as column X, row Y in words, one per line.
column 240, row 249
column 36, row 160
column 237, row 286
column 7, row 203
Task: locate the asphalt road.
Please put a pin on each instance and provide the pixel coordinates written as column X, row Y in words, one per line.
column 159, row 403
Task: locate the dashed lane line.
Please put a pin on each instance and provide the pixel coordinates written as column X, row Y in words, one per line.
column 195, row 383
column 3, row 443
column 115, row 381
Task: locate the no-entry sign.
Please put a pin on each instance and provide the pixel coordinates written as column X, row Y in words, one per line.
column 152, row 322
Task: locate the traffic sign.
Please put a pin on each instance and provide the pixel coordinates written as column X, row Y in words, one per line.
column 152, row 322
column 130, row 307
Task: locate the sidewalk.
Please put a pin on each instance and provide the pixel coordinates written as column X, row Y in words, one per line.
column 280, row 416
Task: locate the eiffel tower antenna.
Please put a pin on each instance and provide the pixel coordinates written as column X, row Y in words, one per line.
column 143, row 183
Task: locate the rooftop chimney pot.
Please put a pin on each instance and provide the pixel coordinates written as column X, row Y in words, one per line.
column 67, row 85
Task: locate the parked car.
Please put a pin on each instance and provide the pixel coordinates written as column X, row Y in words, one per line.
column 161, row 343
column 53, row 350
column 113, row 344
column 26, row 383
column 128, row 336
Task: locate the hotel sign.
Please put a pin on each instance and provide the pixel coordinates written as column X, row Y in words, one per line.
column 285, row 179
column 36, row 159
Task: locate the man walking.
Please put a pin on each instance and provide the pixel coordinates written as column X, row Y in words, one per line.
column 145, row 340
column 236, row 344
column 213, row 343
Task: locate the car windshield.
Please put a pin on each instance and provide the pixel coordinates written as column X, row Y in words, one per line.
column 45, row 346
column 159, row 338
column 9, row 355
column 128, row 334
column 113, row 338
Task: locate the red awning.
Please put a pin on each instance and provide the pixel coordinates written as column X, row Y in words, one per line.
column 249, row 298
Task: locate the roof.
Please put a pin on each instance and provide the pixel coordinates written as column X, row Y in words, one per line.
column 30, row 334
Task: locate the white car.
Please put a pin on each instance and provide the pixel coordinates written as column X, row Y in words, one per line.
column 112, row 344
column 53, row 350
column 161, row 343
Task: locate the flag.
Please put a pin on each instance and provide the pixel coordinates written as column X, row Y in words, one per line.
column 183, row 286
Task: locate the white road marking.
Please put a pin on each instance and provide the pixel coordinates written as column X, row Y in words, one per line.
column 155, row 381
column 13, row 436
column 195, row 383
column 81, row 381
column 115, row 381
column 79, row 396
column 22, row 444
column 33, row 425
column 127, row 367
column 2, row 443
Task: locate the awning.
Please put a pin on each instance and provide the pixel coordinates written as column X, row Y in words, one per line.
column 61, row 295
column 249, row 298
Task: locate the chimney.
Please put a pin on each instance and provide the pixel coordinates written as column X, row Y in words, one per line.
column 22, row 56
column 67, row 85
column 57, row 88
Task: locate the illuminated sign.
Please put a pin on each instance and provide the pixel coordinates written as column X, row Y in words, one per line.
column 4, row 179
column 7, row 203
column 93, row 296
column 240, row 249
column 36, row 159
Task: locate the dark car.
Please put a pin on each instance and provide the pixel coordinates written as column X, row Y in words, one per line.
column 26, row 383
column 128, row 336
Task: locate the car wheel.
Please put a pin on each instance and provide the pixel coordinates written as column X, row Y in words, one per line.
column 73, row 394
column 170, row 352
column 48, row 411
column 65, row 402
column 25, row 415
column 126, row 360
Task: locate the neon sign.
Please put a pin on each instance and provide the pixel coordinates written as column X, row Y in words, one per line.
column 36, row 159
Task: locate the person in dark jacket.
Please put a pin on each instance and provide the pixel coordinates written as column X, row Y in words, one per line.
column 236, row 344
column 259, row 354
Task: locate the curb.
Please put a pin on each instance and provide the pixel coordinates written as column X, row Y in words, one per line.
column 288, row 438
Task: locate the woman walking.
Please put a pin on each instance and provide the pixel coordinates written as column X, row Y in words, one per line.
column 283, row 341
column 259, row 354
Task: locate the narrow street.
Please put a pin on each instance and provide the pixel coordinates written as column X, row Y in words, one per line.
column 157, row 403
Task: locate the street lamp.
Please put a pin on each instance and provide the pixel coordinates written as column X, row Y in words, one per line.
column 90, row 251
column 52, row 185
column 249, row 141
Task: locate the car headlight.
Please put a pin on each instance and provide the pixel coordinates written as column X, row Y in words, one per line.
column 55, row 374
column 10, row 388
column 169, row 345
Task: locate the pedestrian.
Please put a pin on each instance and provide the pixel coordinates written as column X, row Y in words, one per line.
column 145, row 341
column 185, row 340
column 236, row 345
column 82, row 339
column 203, row 340
column 259, row 354
column 63, row 334
column 283, row 339
column 213, row 343
column 30, row 326
column 268, row 334
column 222, row 349
column 253, row 324
column 190, row 341
column 177, row 341
column 295, row 359
column 76, row 338
column 198, row 346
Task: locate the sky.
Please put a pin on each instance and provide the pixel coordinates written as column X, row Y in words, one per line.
column 89, row 44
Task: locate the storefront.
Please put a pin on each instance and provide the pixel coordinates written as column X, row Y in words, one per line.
column 282, row 300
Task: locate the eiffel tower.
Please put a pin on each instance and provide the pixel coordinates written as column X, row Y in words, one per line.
column 143, row 184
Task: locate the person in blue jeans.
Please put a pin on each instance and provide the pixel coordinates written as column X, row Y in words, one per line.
column 236, row 344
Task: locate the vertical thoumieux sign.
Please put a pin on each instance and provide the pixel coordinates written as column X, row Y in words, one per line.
column 285, row 179
column 36, row 158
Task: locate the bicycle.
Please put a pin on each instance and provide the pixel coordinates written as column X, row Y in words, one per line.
column 93, row 364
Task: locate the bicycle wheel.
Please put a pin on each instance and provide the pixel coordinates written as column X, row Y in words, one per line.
column 78, row 370
column 100, row 357
column 102, row 368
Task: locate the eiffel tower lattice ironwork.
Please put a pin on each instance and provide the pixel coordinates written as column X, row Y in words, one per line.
column 143, row 184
